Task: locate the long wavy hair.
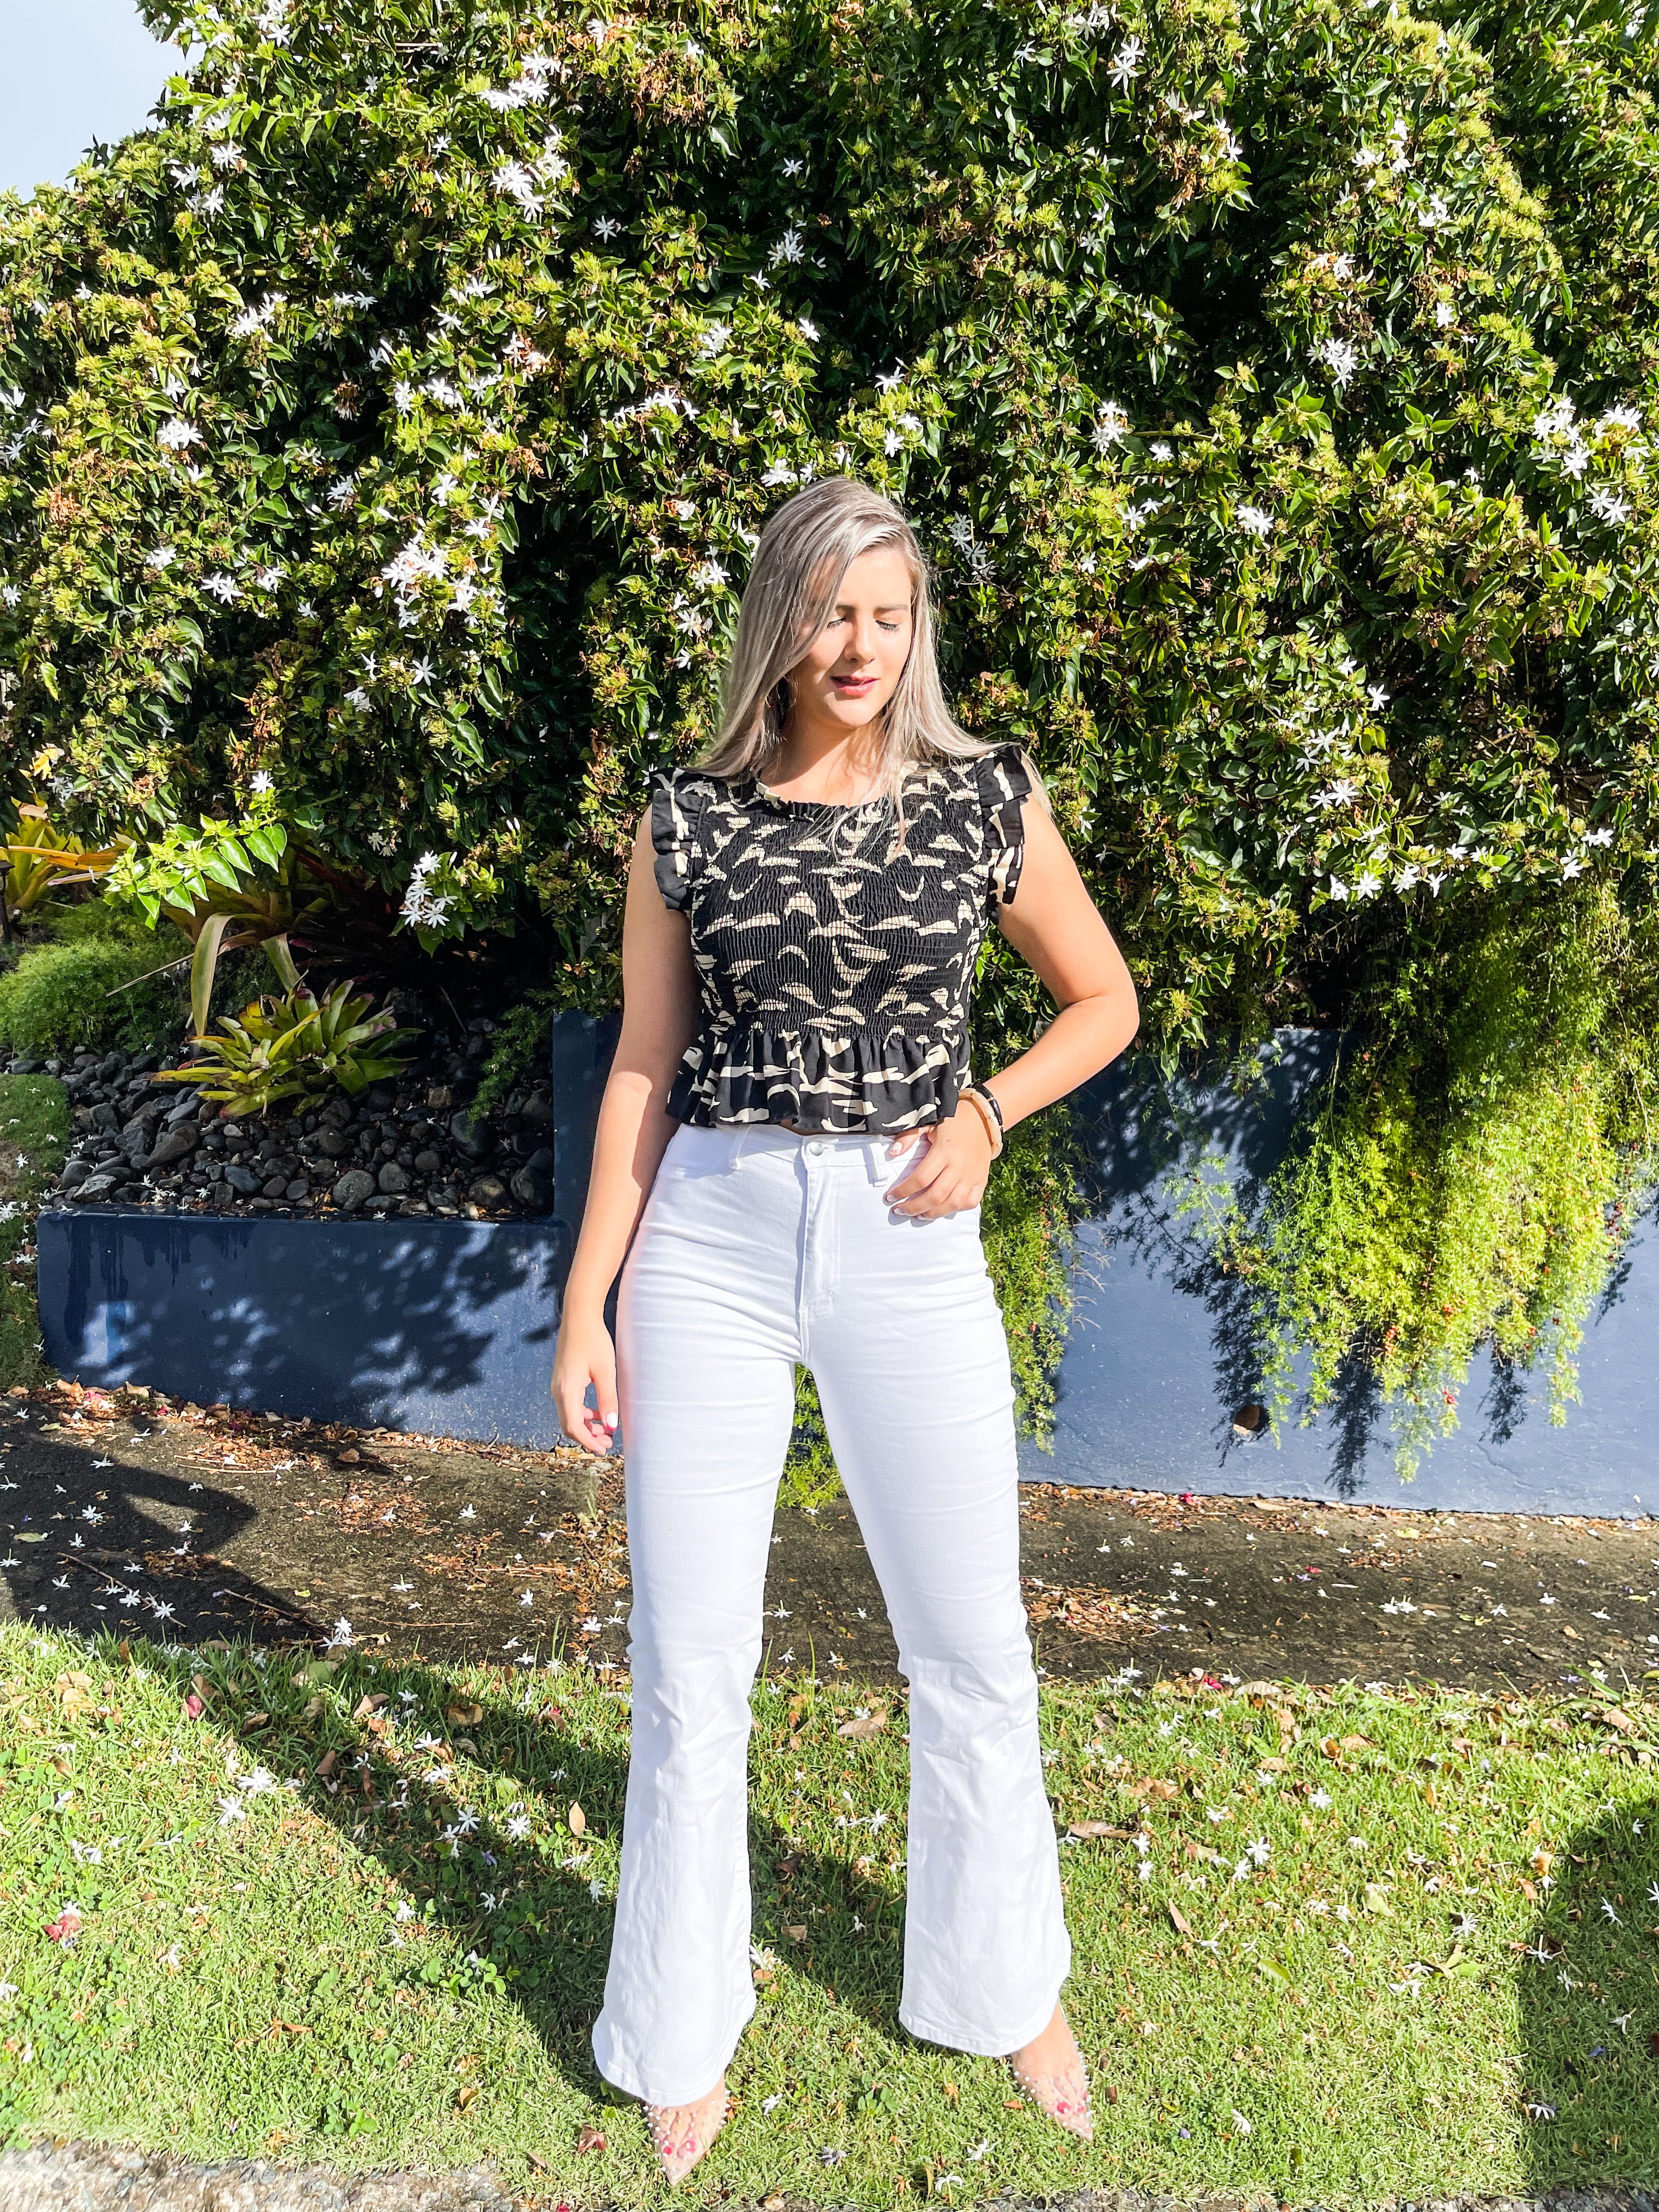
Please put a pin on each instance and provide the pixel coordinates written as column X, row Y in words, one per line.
column 804, row 550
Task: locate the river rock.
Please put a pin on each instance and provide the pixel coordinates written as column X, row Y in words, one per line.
column 392, row 1178
column 354, row 1188
column 173, row 1145
column 244, row 1179
column 490, row 1191
column 532, row 1188
column 94, row 1188
column 471, row 1137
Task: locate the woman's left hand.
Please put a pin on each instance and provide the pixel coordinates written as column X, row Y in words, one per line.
column 949, row 1177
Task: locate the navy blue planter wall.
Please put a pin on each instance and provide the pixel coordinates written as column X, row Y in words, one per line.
column 446, row 1327
column 1157, row 1360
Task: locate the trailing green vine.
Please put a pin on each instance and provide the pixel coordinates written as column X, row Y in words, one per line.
column 1471, row 1172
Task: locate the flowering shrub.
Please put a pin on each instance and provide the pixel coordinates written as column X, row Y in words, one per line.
column 394, row 418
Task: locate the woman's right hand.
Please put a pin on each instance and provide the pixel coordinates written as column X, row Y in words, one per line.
column 584, row 1355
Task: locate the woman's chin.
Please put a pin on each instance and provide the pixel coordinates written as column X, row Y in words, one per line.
column 854, row 714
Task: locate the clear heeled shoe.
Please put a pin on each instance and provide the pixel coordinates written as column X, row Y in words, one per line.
column 682, row 2133
column 1063, row 2094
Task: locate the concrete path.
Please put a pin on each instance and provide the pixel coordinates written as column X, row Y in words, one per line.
column 49, row 2177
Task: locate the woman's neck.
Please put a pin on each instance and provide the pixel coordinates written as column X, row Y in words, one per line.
column 839, row 767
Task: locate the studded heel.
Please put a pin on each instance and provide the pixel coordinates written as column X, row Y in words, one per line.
column 682, row 2133
column 1062, row 2093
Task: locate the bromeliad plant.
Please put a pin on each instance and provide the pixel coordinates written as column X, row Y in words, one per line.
column 37, row 860
column 294, row 1046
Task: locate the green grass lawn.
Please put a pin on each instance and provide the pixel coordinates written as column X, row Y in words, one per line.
column 1338, row 1948
column 33, row 1139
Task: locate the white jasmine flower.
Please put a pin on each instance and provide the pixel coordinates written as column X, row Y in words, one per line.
column 259, row 781
column 1110, row 427
column 1608, row 505
column 224, row 588
column 1256, row 519
column 175, row 434
column 1125, row 65
column 790, row 247
column 1341, row 358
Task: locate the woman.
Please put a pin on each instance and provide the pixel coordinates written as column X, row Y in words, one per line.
column 804, row 916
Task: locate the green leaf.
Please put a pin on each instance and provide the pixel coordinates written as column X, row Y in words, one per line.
column 203, row 965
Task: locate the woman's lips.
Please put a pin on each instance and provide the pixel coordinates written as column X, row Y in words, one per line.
column 857, row 684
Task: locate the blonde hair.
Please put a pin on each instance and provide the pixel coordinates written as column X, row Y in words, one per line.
column 804, row 550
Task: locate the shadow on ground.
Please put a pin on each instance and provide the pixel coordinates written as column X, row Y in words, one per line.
column 1589, row 1998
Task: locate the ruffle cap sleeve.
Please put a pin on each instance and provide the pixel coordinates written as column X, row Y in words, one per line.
column 678, row 798
column 1005, row 785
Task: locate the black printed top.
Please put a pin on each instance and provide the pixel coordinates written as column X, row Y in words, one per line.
column 834, row 967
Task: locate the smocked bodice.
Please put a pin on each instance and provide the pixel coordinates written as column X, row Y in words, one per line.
column 835, row 965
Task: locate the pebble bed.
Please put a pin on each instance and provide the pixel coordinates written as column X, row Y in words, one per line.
column 411, row 1146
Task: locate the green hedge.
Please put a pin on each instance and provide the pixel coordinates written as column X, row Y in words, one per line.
column 87, row 980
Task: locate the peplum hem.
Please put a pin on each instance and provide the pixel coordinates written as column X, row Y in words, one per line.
column 839, row 1083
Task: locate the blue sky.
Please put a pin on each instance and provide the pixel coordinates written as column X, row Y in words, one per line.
column 71, row 71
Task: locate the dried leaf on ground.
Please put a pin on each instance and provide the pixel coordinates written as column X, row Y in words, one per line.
column 861, row 1730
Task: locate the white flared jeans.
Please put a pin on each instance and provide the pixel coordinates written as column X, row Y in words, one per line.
column 760, row 1249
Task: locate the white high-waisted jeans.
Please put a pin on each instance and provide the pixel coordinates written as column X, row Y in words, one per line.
column 760, row 1248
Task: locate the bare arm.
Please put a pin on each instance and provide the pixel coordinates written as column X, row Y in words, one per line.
column 1052, row 923
column 1056, row 926
column 659, row 1018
